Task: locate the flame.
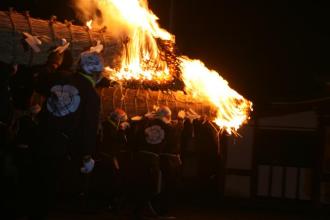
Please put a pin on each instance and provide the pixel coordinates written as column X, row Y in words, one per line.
column 208, row 86
column 89, row 24
column 141, row 56
column 141, row 60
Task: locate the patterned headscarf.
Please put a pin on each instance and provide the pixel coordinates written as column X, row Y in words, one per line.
column 91, row 62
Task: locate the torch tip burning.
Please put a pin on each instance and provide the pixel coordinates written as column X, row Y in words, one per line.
column 142, row 60
column 232, row 109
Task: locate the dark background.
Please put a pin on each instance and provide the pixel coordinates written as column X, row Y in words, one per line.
column 274, row 51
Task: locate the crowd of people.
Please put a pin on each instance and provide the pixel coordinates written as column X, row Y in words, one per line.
column 52, row 139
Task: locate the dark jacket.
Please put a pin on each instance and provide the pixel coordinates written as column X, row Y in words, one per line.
column 158, row 137
column 70, row 115
column 114, row 139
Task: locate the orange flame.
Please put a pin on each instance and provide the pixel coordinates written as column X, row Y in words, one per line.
column 208, row 86
column 141, row 56
column 141, row 60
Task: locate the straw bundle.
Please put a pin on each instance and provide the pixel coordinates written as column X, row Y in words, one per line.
column 140, row 101
column 13, row 48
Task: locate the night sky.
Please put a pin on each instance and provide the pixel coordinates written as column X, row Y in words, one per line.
column 274, row 51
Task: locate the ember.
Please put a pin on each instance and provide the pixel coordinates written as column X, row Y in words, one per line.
column 89, row 24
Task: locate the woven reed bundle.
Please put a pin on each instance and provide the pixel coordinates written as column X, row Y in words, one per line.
column 14, row 50
column 140, row 101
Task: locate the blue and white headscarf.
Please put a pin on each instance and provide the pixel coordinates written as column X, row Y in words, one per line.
column 91, row 62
